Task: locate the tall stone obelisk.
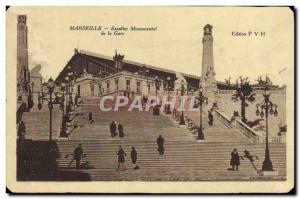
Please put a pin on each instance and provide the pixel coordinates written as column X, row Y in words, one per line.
column 208, row 80
column 23, row 75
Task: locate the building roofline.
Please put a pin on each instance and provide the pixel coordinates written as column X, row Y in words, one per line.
column 135, row 63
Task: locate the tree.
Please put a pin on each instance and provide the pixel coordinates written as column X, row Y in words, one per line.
column 244, row 93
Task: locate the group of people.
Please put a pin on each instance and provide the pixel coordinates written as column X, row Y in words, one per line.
column 121, row 158
column 78, row 155
column 116, row 128
column 235, row 159
column 121, row 154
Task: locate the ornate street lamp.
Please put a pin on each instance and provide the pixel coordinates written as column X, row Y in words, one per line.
column 50, row 86
column 201, row 99
column 58, row 100
column 63, row 131
column 267, row 107
column 168, row 86
column 182, row 92
column 70, row 75
column 167, row 107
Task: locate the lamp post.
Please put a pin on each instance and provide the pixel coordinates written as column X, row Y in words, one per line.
column 63, row 131
column 70, row 74
column 167, row 107
column 67, row 95
column 201, row 99
column 68, row 79
column 168, row 86
column 182, row 92
column 267, row 107
column 42, row 96
column 50, row 86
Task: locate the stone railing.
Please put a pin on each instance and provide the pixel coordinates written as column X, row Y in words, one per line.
column 247, row 131
column 223, row 118
column 250, row 133
column 226, row 92
column 277, row 91
column 238, row 124
column 275, row 139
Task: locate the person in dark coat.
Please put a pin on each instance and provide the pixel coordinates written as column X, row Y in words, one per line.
column 21, row 130
column 160, row 143
column 210, row 118
column 134, row 158
column 235, row 160
column 112, row 127
column 156, row 109
column 91, row 117
column 78, row 152
column 120, row 130
column 121, row 157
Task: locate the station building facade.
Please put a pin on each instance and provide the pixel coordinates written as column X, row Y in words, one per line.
column 95, row 75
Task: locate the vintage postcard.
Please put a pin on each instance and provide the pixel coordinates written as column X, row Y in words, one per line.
column 150, row 99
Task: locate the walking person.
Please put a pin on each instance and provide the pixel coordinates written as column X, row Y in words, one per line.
column 235, row 160
column 21, row 130
column 160, row 143
column 121, row 158
column 120, row 130
column 77, row 155
column 91, row 117
column 112, row 127
column 134, row 158
column 210, row 118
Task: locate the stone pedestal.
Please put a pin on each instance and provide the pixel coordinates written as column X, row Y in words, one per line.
column 268, row 173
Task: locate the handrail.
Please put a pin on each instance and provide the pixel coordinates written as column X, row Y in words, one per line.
column 244, row 128
column 247, row 131
column 223, row 118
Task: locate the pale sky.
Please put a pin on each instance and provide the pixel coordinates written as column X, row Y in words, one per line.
column 176, row 45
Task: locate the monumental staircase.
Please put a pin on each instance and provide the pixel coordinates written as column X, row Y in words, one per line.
column 184, row 158
column 37, row 122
